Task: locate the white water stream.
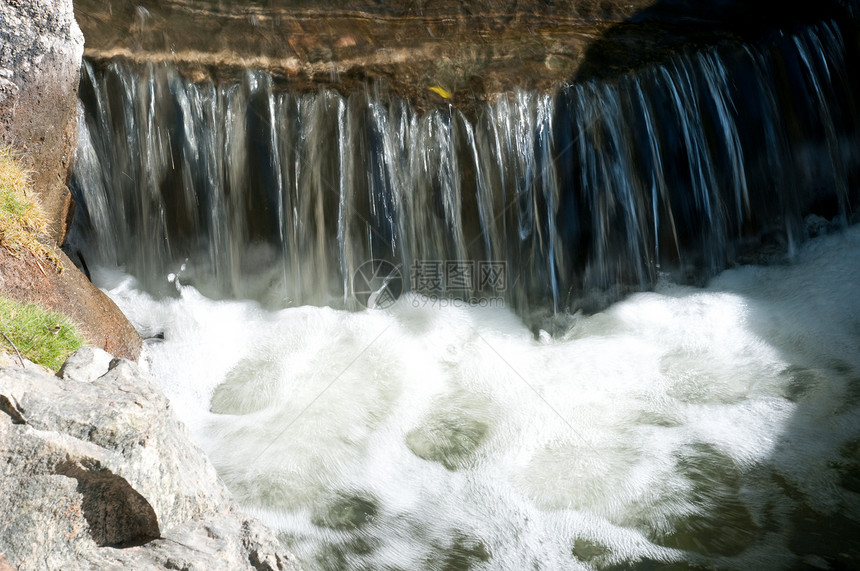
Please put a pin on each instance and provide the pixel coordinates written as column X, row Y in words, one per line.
column 718, row 427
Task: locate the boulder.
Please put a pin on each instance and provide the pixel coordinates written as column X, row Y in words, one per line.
column 40, row 58
column 89, row 363
column 98, row 318
column 96, row 472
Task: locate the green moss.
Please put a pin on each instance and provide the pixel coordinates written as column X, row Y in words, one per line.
column 41, row 336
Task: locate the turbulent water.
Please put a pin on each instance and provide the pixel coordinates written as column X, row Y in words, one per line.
column 716, row 426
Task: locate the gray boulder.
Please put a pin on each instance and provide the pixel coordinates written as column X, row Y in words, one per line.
column 86, row 365
column 97, row 473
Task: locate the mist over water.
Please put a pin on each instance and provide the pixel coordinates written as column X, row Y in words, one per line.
column 715, row 426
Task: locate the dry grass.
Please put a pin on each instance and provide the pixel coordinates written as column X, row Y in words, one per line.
column 23, row 226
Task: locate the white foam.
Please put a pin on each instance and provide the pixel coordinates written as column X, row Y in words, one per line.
column 406, row 436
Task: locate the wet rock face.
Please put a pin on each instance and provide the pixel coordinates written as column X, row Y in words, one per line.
column 471, row 49
column 41, row 47
column 96, row 472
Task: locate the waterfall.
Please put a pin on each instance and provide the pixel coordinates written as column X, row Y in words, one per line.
column 692, row 427
column 247, row 189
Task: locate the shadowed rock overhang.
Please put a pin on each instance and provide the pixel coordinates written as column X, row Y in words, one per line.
column 430, row 52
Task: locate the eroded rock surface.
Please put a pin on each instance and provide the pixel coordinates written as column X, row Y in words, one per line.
column 41, row 47
column 471, row 49
column 96, row 472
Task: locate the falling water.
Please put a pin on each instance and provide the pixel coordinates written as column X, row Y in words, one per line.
column 700, row 427
column 683, row 168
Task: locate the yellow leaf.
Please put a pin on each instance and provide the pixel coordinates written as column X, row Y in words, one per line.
column 441, row 91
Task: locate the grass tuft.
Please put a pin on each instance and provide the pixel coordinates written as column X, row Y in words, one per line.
column 44, row 337
column 22, row 223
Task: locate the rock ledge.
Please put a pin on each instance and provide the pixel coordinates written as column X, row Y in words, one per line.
column 96, row 472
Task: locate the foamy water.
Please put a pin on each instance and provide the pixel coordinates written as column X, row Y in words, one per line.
column 717, row 427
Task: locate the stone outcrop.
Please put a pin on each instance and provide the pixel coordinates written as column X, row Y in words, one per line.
column 97, row 473
column 40, row 57
column 471, row 49
column 41, row 47
column 98, row 318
